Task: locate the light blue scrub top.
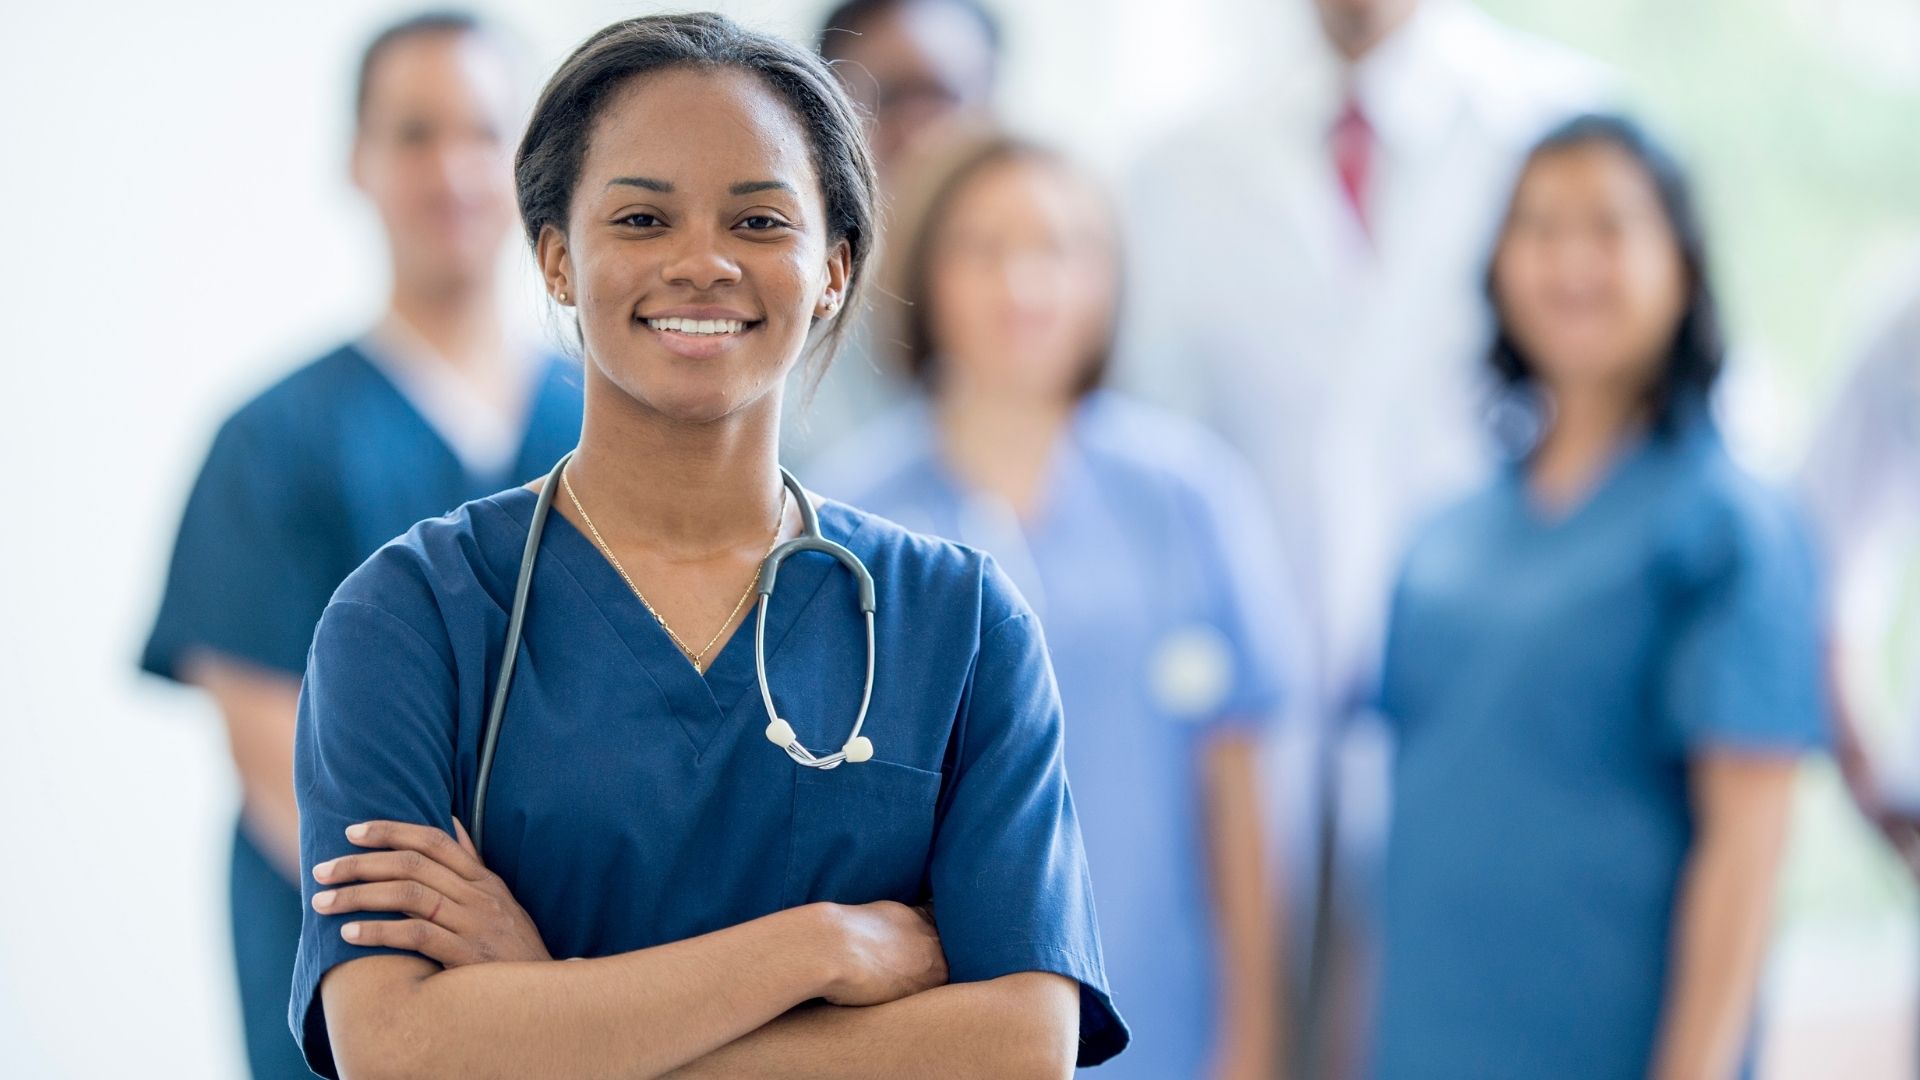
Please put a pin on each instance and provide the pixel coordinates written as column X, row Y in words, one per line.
column 635, row 802
column 1155, row 574
column 1550, row 681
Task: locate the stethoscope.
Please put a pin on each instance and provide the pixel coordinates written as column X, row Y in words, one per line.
column 857, row 748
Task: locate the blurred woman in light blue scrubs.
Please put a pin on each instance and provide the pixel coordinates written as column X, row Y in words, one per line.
column 1140, row 542
column 1603, row 671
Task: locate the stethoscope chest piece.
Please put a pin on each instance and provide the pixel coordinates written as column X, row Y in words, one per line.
column 857, row 748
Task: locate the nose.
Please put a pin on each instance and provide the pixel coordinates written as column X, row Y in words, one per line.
column 697, row 260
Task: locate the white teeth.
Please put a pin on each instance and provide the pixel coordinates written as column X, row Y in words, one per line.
column 698, row 326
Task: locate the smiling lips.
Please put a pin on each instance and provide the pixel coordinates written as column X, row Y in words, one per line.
column 699, row 335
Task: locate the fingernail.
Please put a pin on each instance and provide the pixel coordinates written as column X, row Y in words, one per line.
column 324, row 871
column 357, row 832
column 351, row 931
column 323, row 900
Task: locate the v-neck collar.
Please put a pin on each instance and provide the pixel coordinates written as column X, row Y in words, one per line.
column 1627, row 460
column 1061, row 475
column 537, row 404
column 700, row 703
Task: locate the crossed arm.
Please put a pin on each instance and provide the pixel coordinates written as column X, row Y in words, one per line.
column 816, row 991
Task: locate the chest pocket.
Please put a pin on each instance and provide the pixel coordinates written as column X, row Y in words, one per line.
column 861, row 832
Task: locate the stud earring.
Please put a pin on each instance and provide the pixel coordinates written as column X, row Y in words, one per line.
column 563, row 296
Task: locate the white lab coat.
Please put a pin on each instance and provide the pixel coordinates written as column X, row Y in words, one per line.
column 1861, row 485
column 1350, row 370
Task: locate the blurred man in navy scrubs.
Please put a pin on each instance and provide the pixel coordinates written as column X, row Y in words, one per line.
column 439, row 402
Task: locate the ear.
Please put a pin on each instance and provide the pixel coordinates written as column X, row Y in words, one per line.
column 556, row 267
column 357, row 163
column 833, row 295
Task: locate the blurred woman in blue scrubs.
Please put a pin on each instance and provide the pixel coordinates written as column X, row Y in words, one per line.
column 701, row 198
column 438, row 403
column 1603, row 670
column 1138, row 539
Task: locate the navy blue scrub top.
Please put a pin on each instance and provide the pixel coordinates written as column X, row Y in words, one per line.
column 636, row 802
column 301, row 485
column 1550, row 679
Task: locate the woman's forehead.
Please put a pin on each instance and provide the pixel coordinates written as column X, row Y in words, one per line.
column 697, row 129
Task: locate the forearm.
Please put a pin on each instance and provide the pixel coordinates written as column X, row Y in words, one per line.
column 273, row 821
column 259, row 707
column 1720, row 935
column 639, row 1014
column 1246, row 914
column 1722, row 918
column 1022, row 1025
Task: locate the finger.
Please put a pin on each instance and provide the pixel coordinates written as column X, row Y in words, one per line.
column 434, row 843
column 460, row 833
column 393, row 866
column 435, row 943
column 402, row 897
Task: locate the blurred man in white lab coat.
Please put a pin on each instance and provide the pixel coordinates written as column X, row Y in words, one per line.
column 1310, row 264
column 1861, row 482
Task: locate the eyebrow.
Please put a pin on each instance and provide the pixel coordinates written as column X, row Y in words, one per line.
column 748, row 187
column 744, row 187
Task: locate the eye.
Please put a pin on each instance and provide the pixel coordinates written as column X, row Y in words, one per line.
column 639, row 221
column 762, row 223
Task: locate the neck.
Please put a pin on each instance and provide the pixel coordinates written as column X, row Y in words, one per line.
column 1589, row 424
column 1001, row 443
column 1355, row 42
column 459, row 319
column 684, row 489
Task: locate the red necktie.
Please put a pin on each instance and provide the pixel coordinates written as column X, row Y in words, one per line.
column 1353, row 158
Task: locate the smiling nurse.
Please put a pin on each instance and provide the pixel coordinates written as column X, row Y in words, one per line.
column 701, row 195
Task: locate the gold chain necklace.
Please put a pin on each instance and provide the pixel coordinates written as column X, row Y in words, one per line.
column 698, row 658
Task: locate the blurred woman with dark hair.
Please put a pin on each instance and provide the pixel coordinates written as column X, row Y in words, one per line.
column 1602, row 670
column 1139, row 541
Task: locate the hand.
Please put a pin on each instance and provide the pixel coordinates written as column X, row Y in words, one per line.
column 1897, row 825
column 462, row 912
column 887, row 951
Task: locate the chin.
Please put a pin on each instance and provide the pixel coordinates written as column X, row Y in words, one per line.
column 689, row 398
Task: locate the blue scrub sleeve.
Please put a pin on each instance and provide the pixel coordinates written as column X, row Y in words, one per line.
column 1745, row 666
column 1252, row 604
column 374, row 741
column 250, row 572
column 1011, row 891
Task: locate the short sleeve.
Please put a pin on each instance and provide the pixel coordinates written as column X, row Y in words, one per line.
column 1011, row 890
column 1745, row 662
column 252, row 566
column 1252, row 605
column 374, row 740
